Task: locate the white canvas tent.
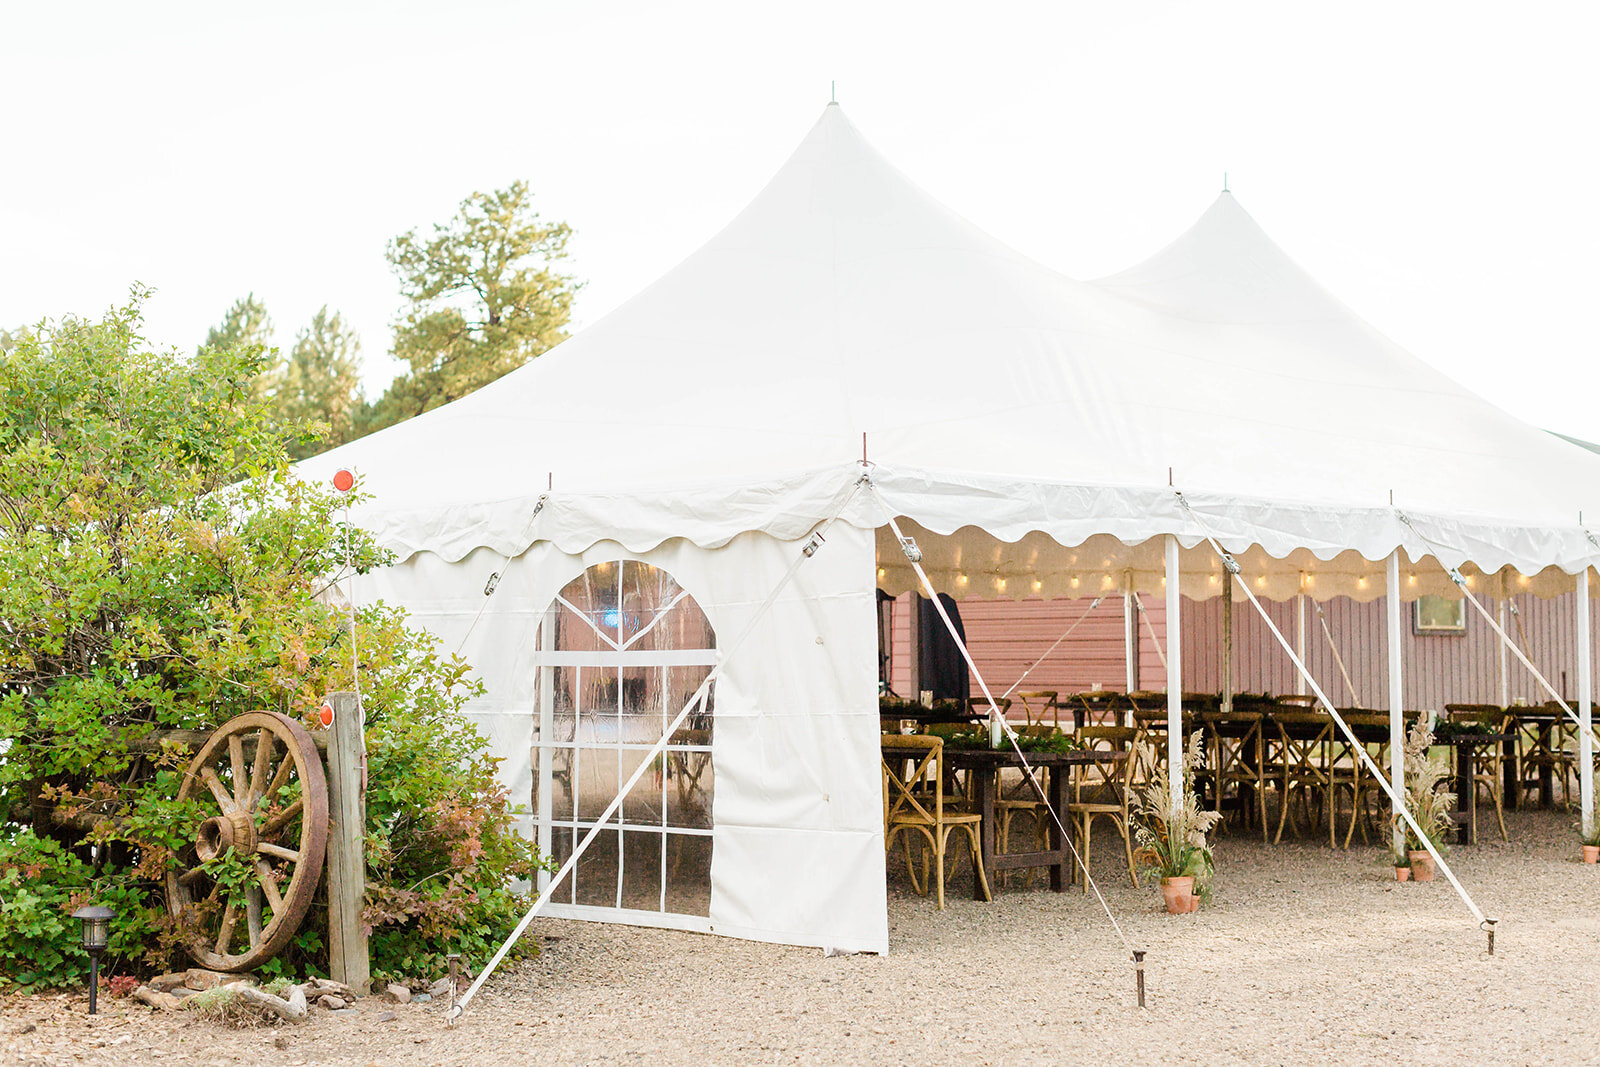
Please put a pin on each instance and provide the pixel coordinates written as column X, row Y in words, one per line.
column 1029, row 428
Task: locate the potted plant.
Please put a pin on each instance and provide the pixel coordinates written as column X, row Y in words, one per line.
column 1402, row 866
column 1172, row 844
column 1429, row 805
column 1591, row 842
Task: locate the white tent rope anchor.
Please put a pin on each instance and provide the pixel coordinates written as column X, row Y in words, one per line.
column 648, row 760
column 1356, row 746
column 994, row 715
column 1334, row 648
column 1075, row 624
column 1505, row 638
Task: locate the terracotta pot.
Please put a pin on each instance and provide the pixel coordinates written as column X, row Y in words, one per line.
column 1421, row 867
column 1591, row 853
column 1179, row 894
column 1402, row 874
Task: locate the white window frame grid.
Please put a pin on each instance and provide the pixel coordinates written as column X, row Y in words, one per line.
column 618, row 656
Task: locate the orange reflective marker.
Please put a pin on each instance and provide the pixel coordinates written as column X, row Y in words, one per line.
column 325, row 715
column 343, row 480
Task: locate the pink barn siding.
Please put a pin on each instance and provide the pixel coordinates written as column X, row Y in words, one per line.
column 1438, row 669
column 1007, row 636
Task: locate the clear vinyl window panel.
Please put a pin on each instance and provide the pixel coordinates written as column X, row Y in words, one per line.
column 621, row 651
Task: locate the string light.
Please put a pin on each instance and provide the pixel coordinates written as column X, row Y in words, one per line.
column 1037, row 585
column 961, row 579
column 1074, row 581
column 1000, row 583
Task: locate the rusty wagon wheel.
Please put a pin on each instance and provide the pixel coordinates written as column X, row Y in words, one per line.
column 261, row 782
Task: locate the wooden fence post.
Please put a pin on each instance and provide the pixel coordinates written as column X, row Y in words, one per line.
column 348, row 960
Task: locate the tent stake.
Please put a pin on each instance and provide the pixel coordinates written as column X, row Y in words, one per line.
column 1138, row 966
column 1488, row 925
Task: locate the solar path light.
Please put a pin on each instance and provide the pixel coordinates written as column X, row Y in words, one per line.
column 96, row 920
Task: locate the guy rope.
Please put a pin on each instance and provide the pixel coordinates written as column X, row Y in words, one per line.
column 914, row 555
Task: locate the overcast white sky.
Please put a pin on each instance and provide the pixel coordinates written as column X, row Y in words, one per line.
column 1433, row 164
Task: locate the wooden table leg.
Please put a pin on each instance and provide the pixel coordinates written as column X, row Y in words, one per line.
column 1466, row 793
column 1510, row 773
column 1547, row 793
column 985, row 781
column 1060, row 871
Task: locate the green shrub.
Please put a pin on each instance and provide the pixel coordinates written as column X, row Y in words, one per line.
column 161, row 568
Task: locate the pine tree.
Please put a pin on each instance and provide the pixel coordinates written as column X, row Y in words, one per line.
column 484, row 300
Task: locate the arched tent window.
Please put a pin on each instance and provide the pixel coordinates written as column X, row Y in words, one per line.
column 622, row 649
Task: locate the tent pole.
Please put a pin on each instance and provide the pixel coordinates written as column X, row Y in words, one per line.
column 547, row 735
column 1585, row 695
column 1130, row 636
column 1227, row 649
column 1174, row 678
column 1505, row 656
column 1397, row 738
column 1300, row 633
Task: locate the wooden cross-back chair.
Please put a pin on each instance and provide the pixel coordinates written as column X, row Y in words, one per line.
column 914, row 805
column 1488, row 761
column 1037, row 703
column 1104, row 789
column 1239, row 760
column 1303, row 738
column 1542, row 749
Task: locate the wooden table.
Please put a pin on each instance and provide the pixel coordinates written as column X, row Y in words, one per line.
column 984, row 766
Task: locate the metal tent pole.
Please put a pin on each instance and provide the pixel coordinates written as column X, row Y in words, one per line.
column 1505, row 655
column 1585, row 695
column 1397, row 730
column 1227, row 649
column 1300, row 632
column 1174, row 678
column 547, row 736
column 1130, row 637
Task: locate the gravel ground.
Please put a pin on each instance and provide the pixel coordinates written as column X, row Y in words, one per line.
column 1304, row 953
